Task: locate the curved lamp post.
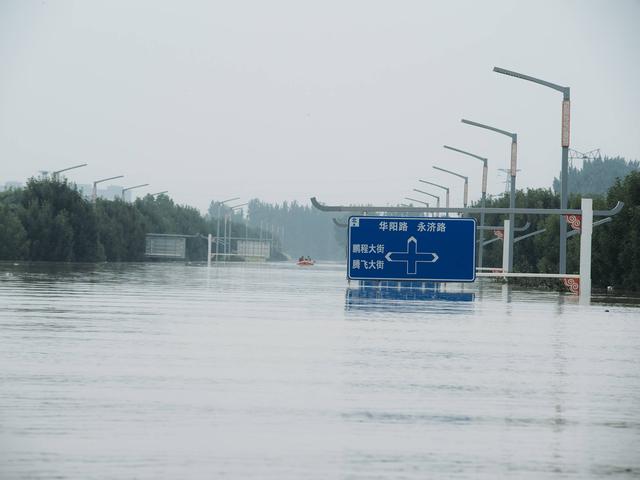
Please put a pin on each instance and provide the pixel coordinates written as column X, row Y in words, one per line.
column 431, row 195
column 564, row 177
column 227, row 231
column 466, row 184
column 131, row 188
column 218, row 223
column 94, row 192
column 485, row 168
column 446, row 189
column 513, row 171
column 55, row 174
column 417, row 201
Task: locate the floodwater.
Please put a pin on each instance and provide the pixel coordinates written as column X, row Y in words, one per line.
column 173, row 371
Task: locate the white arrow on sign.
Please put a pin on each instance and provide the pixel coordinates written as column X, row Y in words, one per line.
column 412, row 256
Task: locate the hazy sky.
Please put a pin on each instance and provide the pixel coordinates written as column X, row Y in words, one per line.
column 350, row 101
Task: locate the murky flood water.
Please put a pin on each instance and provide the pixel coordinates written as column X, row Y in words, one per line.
column 277, row 372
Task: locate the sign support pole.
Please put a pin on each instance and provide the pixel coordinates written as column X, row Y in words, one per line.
column 585, row 250
column 506, row 243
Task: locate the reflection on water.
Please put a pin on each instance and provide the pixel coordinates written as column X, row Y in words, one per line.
column 273, row 371
column 404, row 298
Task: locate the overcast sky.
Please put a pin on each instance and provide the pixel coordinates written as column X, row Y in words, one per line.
column 350, row 101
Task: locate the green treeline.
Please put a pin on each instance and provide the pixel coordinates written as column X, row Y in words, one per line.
column 51, row 221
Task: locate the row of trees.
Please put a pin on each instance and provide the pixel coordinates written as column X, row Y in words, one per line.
column 50, row 220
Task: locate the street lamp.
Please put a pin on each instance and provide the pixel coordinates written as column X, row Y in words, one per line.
column 431, row 195
column 159, row 193
column 218, row 223
column 466, row 184
column 564, row 177
column 131, row 188
column 94, row 192
column 446, row 189
column 485, row 168
column 513, row 171
column 57, row 172
column 417, row 201
column 228, row 232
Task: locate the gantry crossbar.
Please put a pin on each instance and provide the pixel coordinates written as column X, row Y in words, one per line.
column 504, row 211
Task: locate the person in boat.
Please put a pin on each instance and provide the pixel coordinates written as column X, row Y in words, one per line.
column 301, row 259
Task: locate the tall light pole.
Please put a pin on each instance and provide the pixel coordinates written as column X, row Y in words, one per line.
column 227, row 249
column 417, row 201
column 94, row 192
column 465, row 197
column 564, row 177
column 159, row 193
column 131, row 188
column 409, row 206
column 55, row 174
column 485, row 168
column 446, row 189
column 218, row 223
column 431, row 195
column 513, row 171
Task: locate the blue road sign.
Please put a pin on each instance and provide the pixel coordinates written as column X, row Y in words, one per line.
column 412, row 248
